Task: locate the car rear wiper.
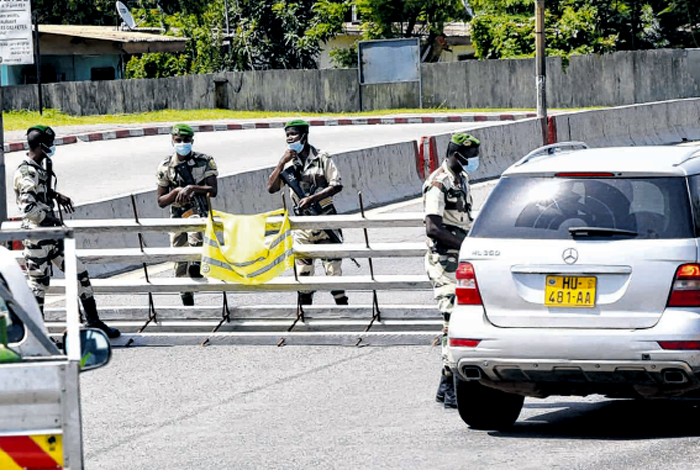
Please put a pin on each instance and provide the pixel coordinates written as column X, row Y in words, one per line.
column 599, row 232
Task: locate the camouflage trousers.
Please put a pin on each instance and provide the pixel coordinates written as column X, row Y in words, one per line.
column 441, row 272
column 186, row 268
column 305, row 266
column 181, row 239
column 38, row 258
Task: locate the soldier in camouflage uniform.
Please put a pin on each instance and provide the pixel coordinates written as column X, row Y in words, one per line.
column 174, row 191
column 319, row 179
column 447, row 203
column 35, row 199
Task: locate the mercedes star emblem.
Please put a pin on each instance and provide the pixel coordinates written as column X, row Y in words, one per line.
column 570, row 255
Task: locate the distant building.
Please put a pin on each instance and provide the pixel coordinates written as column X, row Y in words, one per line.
column 457, row 38
column 78, row 53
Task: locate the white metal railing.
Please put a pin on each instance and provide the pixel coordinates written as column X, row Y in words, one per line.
column 414, row 324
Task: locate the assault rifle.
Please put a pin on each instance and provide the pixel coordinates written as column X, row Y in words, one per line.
column 201, row 206
column 289, row 176
column 50, row 192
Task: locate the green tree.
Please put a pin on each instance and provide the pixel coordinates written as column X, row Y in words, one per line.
column 386, row 19
column 264, row 34
column 505, row 28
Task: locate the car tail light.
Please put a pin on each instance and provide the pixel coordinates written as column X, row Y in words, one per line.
column 685, row 291
column 680, row 345
column 15, row 244
column 467, row 290
column 464, row 343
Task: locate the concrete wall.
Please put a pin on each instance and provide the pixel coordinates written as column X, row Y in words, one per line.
column 322, row 91
column 590, row 80
column 388, row 173
column 384, row 174
column 593, row 80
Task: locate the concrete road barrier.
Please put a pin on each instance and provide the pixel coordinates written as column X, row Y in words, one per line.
column 389, row 173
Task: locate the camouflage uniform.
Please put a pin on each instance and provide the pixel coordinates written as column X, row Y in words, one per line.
column 444, row 197
column 31, row 183
column 318, row 173
column 201, row 166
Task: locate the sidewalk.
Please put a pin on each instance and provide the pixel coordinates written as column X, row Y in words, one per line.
column 15, row 140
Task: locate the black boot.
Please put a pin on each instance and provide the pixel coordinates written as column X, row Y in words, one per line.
column 450, row 397
column 187, row 299
column 93, row 319
column 194, row 270
column 306, row 298
column 444, row 384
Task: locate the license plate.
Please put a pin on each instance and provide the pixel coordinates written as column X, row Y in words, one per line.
column 570, row 291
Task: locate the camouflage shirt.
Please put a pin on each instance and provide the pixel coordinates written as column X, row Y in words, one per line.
column 318, row 173
column 32, row 192
column 447, row 197
column 201, row 166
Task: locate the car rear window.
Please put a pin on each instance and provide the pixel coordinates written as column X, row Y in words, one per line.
column 546, row 208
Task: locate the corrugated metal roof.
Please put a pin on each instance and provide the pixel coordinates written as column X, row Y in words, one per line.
column 450, row 29
column 107, row 33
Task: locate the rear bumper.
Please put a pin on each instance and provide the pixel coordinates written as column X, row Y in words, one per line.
column 555, row 361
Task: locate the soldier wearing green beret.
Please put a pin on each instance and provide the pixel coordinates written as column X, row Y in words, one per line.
column 36, row 199
column 184, row 179
column 319, row 180
column 447, row 203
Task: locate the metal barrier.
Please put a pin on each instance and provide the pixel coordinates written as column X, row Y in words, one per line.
column 276, row 325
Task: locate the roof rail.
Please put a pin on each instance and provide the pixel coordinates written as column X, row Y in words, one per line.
column 693, row 154
column 549, row 150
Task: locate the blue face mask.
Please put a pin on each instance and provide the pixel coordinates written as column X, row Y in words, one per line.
column 472, row 165
column 183, row 148
column 296, row 146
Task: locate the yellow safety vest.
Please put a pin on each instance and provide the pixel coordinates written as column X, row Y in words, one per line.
column 249, row 250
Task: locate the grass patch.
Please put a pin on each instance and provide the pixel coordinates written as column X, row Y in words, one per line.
column 20, row 120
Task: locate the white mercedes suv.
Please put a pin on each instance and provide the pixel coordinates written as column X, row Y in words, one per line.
column 581, row 275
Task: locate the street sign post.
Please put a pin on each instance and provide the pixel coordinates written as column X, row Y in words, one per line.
column 16, row 48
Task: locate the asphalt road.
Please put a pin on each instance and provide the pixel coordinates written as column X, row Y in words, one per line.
column 97, row 170
column 346, row 408
column 334, row 407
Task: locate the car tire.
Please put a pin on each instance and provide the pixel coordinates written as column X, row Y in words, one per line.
column 486, row 408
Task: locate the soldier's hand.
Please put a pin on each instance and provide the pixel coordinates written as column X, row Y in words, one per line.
column 288, row 156
column 184, row 194
column 65, row 203
column 306, row 202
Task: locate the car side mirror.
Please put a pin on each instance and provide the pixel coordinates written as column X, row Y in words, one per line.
column 95, row 349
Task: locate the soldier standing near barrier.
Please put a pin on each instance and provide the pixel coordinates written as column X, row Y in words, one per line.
column 35, row 199
column 185, row 178
column 447, row 203
column 313, row 180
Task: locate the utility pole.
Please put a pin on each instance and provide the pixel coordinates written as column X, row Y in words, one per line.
column 38, row 63
column 541, row 61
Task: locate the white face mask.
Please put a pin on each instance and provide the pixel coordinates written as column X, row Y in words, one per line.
column 51, row 152
column 472, row 165
column 183, row 148
column 296, row 146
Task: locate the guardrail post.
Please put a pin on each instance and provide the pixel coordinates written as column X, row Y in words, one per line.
column 376, row 314
column 152, row 315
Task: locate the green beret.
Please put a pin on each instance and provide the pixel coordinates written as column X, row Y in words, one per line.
column 297, row 123
column 182, row 130
column 465, row 140
column 46, row 130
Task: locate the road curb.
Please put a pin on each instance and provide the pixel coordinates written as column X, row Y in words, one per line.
column 235, row 126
